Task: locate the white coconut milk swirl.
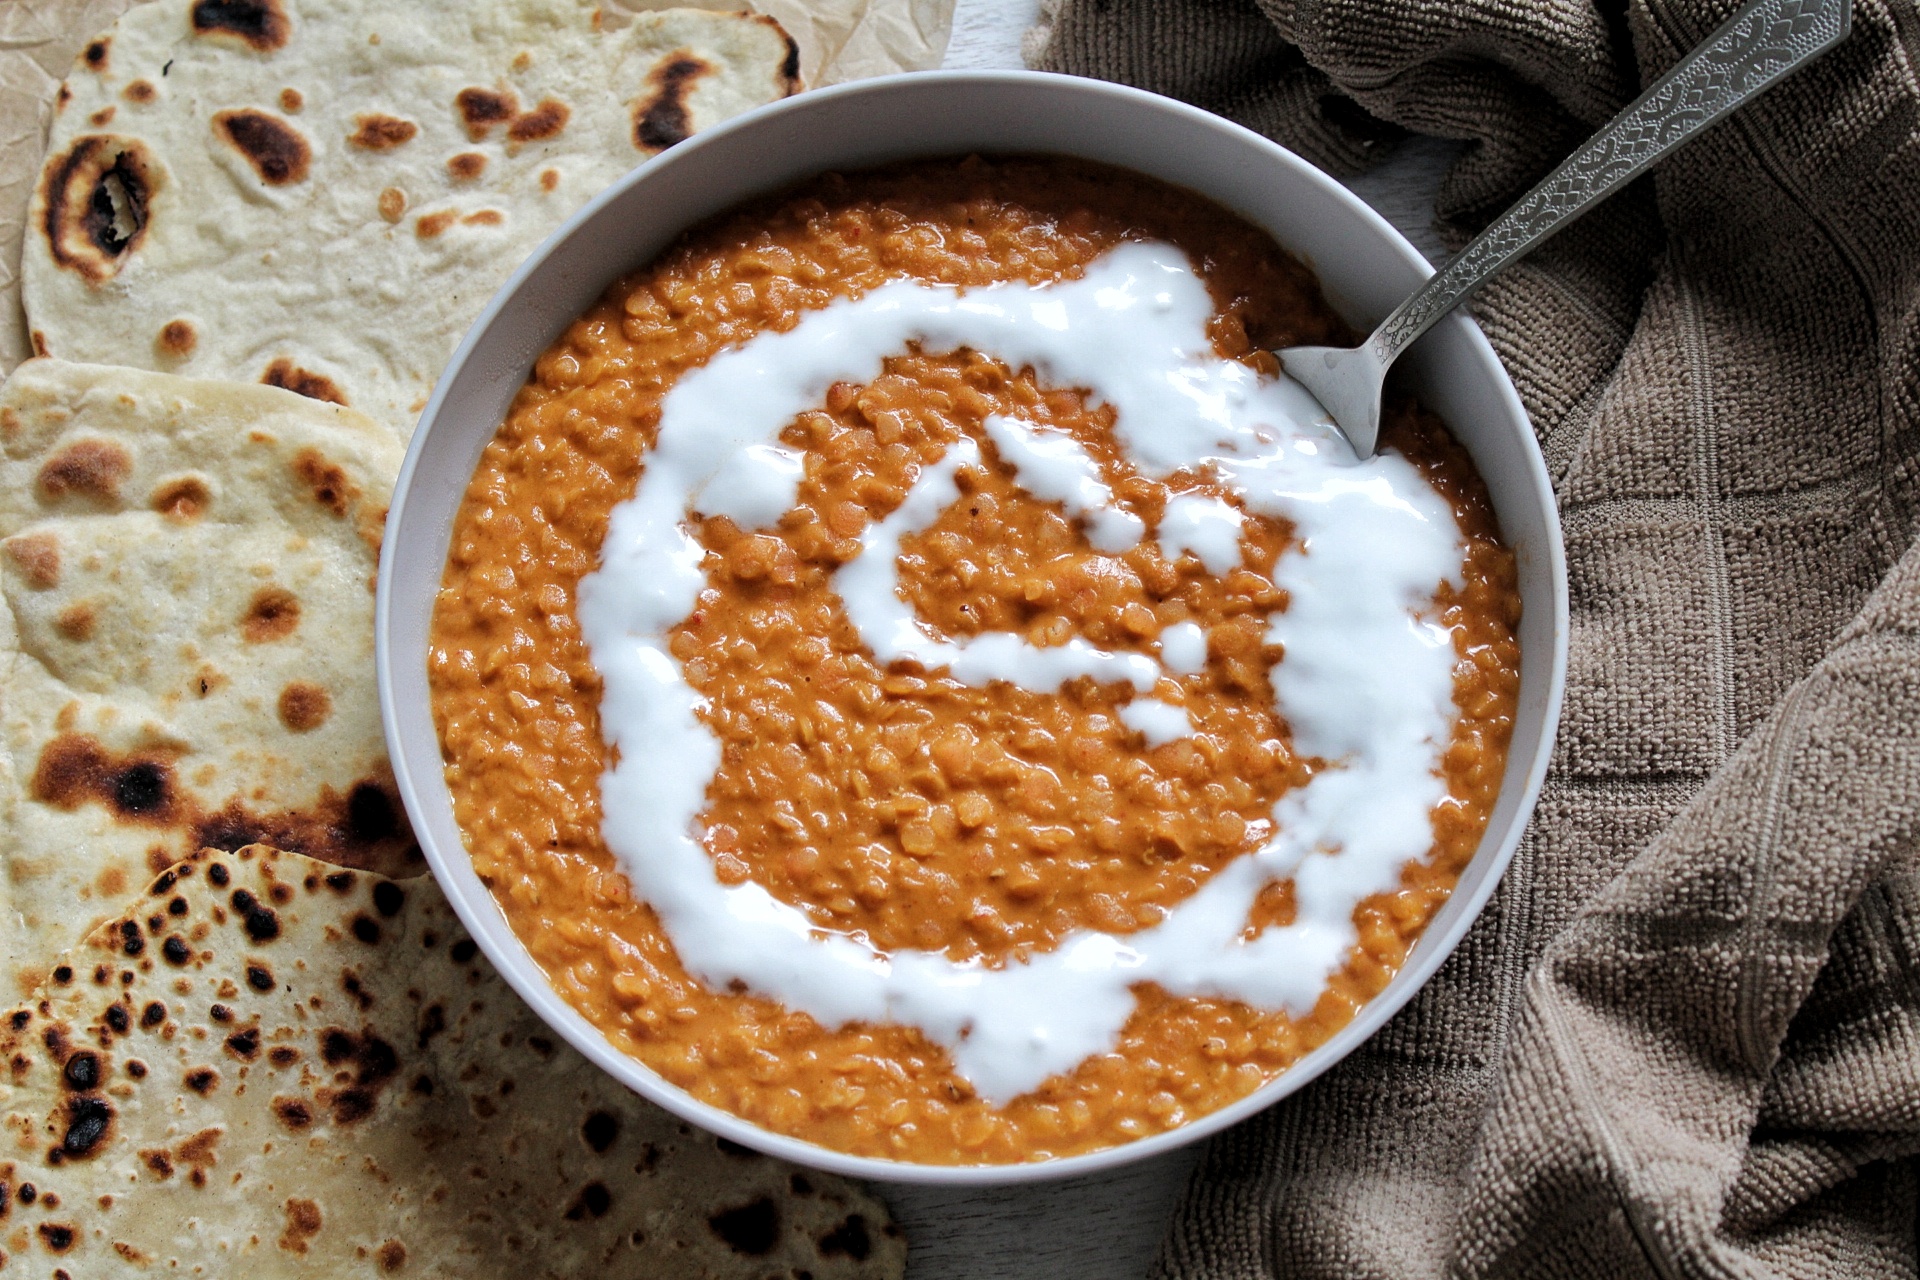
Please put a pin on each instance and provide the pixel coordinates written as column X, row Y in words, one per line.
column 1365, row 683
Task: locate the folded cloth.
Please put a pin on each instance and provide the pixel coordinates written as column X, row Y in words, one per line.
column 1684, row 1039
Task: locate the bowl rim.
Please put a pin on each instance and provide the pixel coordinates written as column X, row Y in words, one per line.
column 485, row 922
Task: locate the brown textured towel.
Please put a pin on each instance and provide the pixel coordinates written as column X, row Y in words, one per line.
column 1684, row 1039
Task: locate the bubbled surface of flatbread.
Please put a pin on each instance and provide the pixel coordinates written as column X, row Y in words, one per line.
column 186, row 643
column 322, row 194
column 272, row 1067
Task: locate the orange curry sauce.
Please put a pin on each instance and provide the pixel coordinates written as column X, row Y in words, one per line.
column 898, row 803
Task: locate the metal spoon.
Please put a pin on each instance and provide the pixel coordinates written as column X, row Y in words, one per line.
column 1758, row 46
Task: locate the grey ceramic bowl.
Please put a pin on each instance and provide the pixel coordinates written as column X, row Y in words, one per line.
column 1365, row 267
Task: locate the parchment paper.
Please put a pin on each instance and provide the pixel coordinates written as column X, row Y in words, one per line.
column 39, row 39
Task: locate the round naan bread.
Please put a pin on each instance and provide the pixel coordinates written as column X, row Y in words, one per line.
column 321, row 194
column 270, row 1067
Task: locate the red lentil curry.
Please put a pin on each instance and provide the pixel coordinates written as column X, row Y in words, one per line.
column 900, row 804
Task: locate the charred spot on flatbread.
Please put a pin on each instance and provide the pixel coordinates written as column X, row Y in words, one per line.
column 752, row 1228
column 103, row 117
column 363, row 1064
column 262, row 925
column 259, row 24
column 95, row 54
column 543, row 122
column 288, row 376
column 850, row 1239
column 74, row 768
column 95, row 202
column 198, row 1153
column 466, row 166
column 183, row 499
column 76, row 621
column 429, row 225
column 374, row 815
column 89, row 1118
column 661, row 119
column 326, row 481
column 481, row 109
column 85, row 468
column 276, row 150
column 303, row 1224
column 112, row 882
column 599, row 1131
column 177, row 339
column 392, row 204
column 484, row 218
column 291, row 101
column 362, row 828
column 38, row 555
column 244, row 1044
column 790, row 64
column 347, row 1106
column 304, row 707
column 272, row 614
column 82, row 1071
column 294, row 1113
column 377, row 132
column 140, row 92
column 592, row 1201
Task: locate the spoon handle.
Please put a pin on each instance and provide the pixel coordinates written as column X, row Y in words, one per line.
column 1760, row 44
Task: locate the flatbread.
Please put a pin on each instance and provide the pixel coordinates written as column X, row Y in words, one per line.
column 273, row 1068
column 321, row 194
column 186, row 639
column 839, row 40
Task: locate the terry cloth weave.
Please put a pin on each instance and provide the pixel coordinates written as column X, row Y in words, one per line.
column 1684, row 1038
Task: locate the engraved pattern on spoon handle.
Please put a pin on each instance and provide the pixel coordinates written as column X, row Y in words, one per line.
column 1757, row 46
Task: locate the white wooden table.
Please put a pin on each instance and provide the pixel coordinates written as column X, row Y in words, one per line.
column 1105, row 1227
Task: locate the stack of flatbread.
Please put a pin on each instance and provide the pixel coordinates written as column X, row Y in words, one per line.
column 250, row 1036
